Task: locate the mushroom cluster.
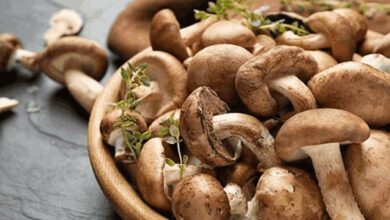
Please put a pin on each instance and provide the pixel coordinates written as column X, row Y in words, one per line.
column 220, row 120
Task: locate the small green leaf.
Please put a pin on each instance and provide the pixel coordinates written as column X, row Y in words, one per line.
column 185, row 159
column 146, row 135
column 145, row 80
column 170, row 162
column 174, row 131
column 125, row 75
column 163, row 132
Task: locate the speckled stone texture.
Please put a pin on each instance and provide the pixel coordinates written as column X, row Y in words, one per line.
column 45, row 172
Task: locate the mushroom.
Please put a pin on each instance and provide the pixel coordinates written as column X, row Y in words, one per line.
column 384, row 46
column 157, row 124
column 204, row 123
column 371, row 41
column 74, row 61
column 134, row 23
column 155, row 176
column 64, row 22
column 112, row 133
column 200, row 197
column 165, row 35
column 318, row 133
column 209, row 67
column 7, row 104
column 340, row 29
column 357, row 88
column 377, row 61
column 228, row 32
column 263, row 43
column 368, row 169
column 281, row 71
column 168, row 87
column 323, row 59
column 286, row 193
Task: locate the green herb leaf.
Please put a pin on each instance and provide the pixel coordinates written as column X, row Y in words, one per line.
column 170, row 162
column 174, row 131
column 146, row 135
column 170, row 140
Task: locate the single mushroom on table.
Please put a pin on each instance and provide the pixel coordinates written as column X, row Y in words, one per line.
column 318, row 133
column 368, row 170
column 279, row 73
column 74, row 61
column 155, row 177
column 64, row 22
column 7, row 104
column 205, row 123
column 286, row 193
column 134, row 23
column 357, row 88
column 377, row 61
column 340, row 30
column 168, row 85
column 228, row 32
column 216, row 67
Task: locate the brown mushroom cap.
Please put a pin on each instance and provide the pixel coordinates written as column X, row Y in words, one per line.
column 12, row 39
column 338, row 31
column 165, row 34
column 371, row 41
column 384, row 46
column 150, row 177
column 73, row 53
column 239, row 173
column 318, row 126
column 323, row 59
column 134, row 23
column 288, row 193
column 357, row 88
column 307, row 42
column 255, row 76
column 357, row 21
column 368, row 169
column 216, row 67
column 168, row 84
column 197, row 132
column 228, row 32
column 109, row 120
column 200, row 197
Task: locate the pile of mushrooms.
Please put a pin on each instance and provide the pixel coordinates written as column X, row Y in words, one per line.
column 252, row 110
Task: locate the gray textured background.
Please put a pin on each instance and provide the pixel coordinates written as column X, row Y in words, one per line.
column 44, row 167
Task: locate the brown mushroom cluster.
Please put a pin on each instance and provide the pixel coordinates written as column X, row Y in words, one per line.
column 249, row 125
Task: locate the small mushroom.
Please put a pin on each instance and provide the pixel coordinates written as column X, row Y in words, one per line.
column 204, row 123
column 168, row 87
column 157, row 124
column 318, row 133
column 377, row 61
column 134, row 23
column 371, row 41
column 64, row 22
column 209, row 67
column 228, row 32
column 74, row 61
column 112, row 134
column 287, row 193
column 323, row 59
column 200, row 197
column 263, row 43
column 11, row 53
column 165, row 35
column 352, row 86
column 340, row 30
column 368, row 169
column 7, row 104
column 155, row 176
column 281, row 70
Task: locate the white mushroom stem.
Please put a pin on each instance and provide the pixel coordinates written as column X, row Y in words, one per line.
column 7, row 104
column 307, row 42
column 25, row 58
column 251, row 133
column 55, row 32
column 194, row 32
column 83, row 88
column 237, row 200
column 333, row 181
column 116, row 139
column 296, row 91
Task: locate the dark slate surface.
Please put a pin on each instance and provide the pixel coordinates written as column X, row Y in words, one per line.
column 45, row 172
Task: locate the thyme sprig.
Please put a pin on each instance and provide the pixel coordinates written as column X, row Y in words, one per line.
column 133, row 77
column 171, row 134
column 225, row 9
